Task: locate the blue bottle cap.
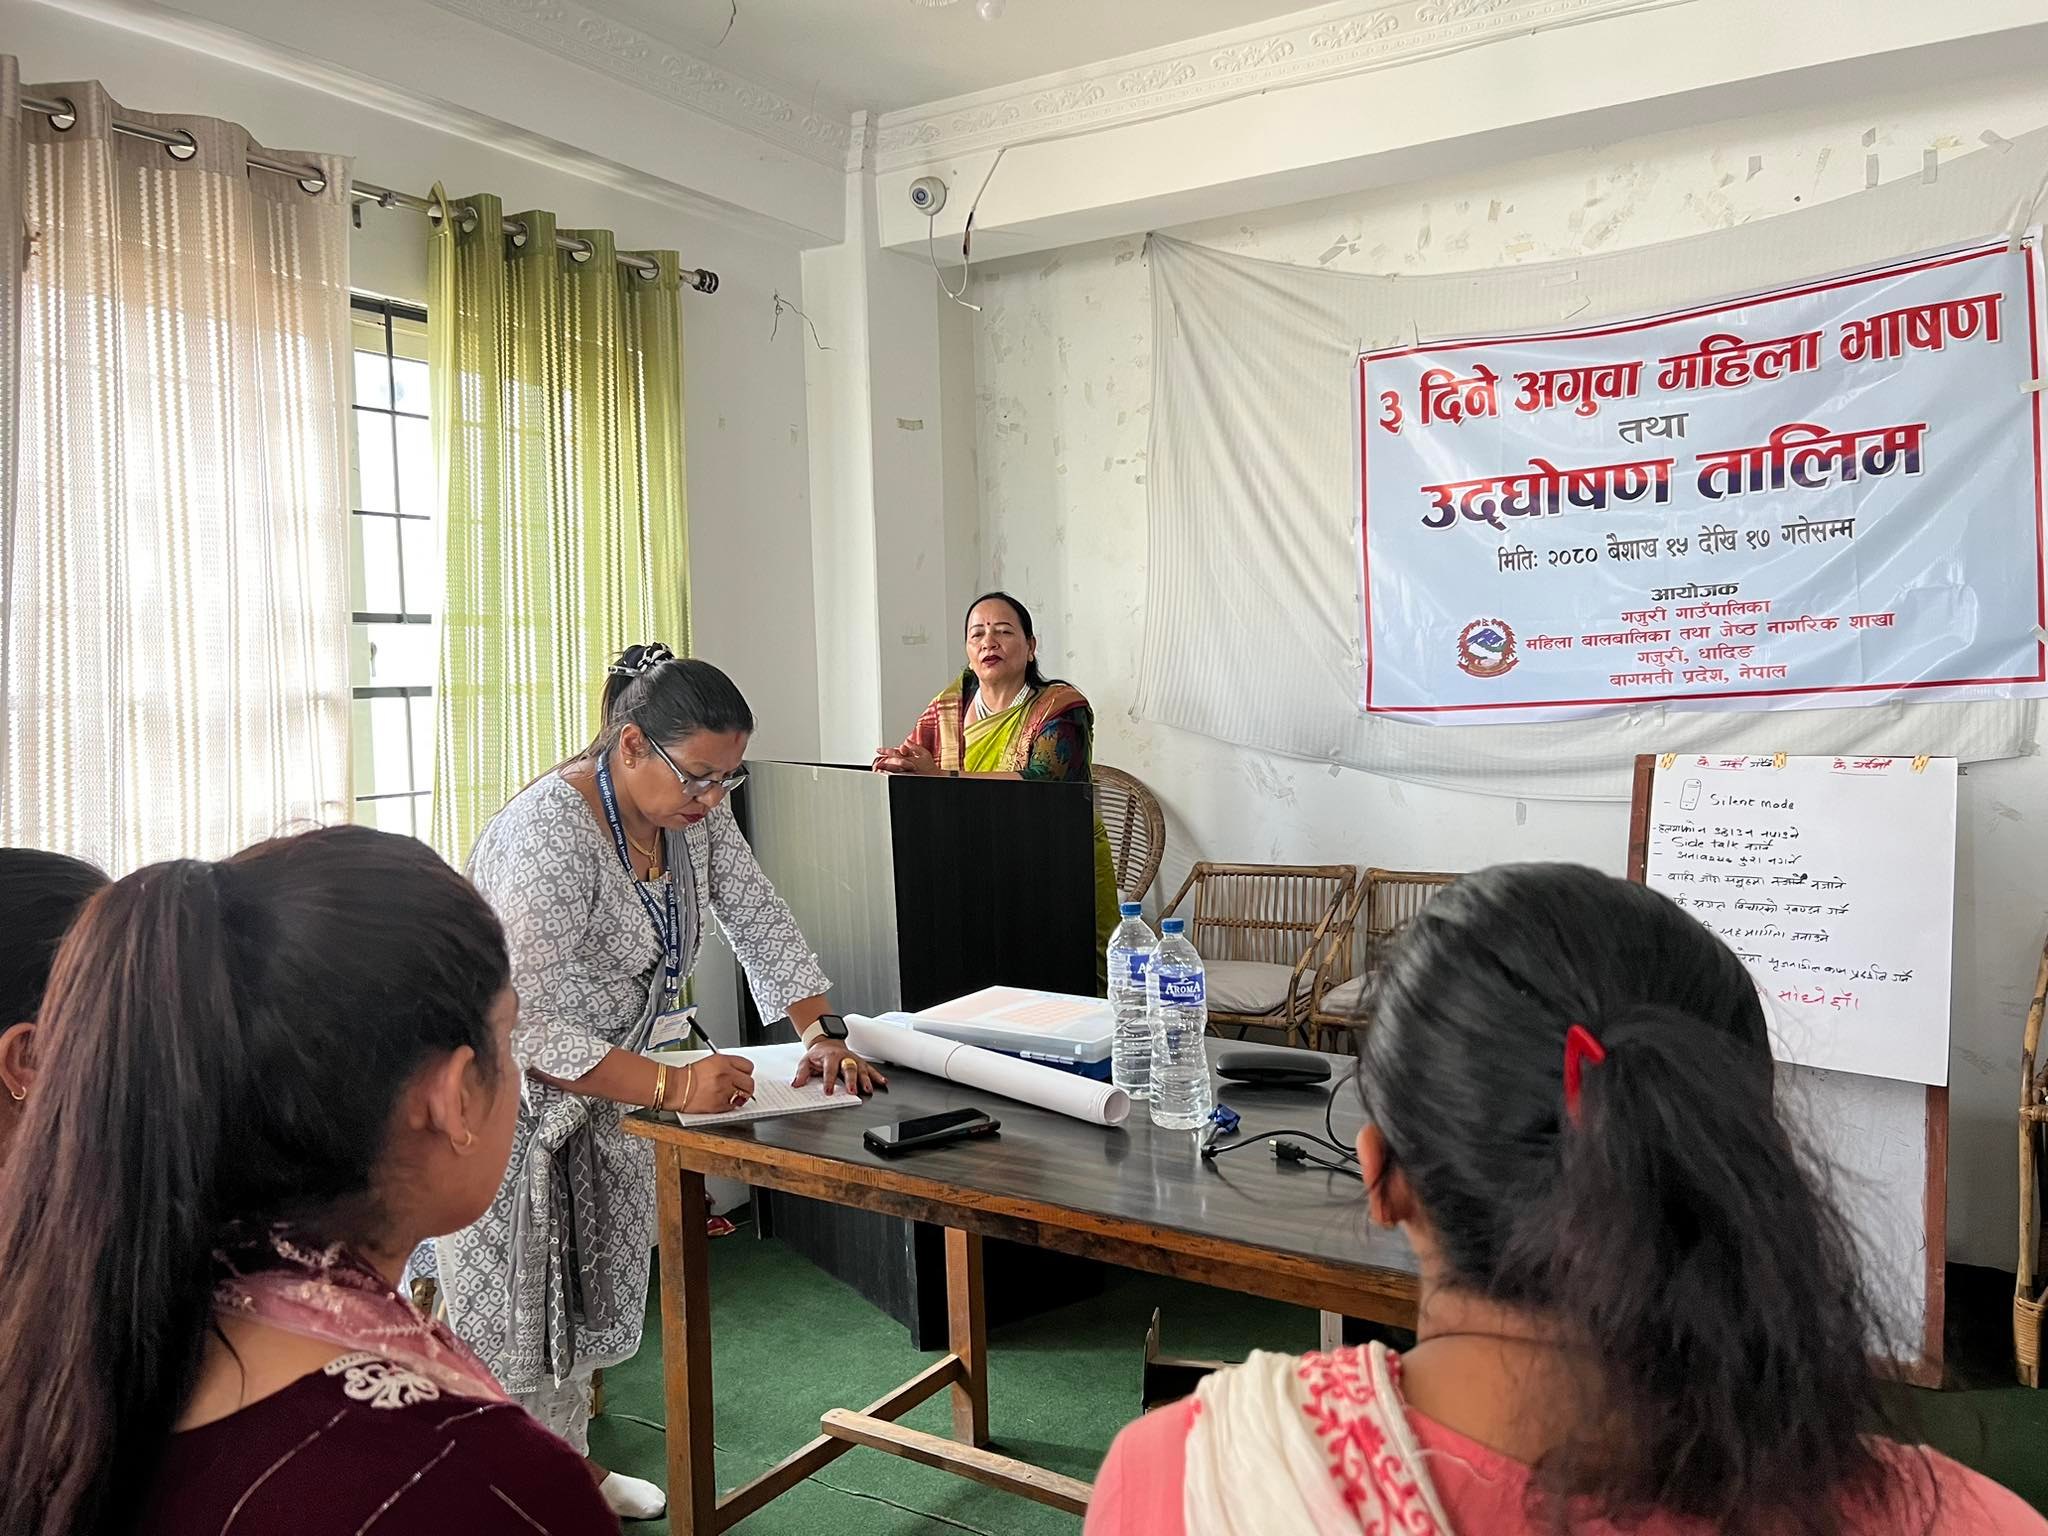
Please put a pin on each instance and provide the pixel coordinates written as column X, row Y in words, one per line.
column 1174, row 925
column 1129, row 908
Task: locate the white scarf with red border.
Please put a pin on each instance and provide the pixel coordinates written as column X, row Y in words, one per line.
column 1311, row 1445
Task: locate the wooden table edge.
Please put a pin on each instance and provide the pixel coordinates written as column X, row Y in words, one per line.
column 1376, row 1293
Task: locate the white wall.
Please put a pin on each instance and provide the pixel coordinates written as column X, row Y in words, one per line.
column 893, row 513
column 1062, row 377
column 750, row 560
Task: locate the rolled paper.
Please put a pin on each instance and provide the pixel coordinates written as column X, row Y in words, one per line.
column 891, row 1039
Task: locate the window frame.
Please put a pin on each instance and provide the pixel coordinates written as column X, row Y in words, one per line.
column 388, row 312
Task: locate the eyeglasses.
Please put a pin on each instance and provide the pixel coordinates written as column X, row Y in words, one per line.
column 699, row 788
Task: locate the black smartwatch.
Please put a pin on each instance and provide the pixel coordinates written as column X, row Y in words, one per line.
column 832, row 1024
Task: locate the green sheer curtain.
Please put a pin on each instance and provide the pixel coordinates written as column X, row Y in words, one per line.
column 558, row 426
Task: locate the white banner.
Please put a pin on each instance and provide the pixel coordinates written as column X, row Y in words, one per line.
column 1818, row 495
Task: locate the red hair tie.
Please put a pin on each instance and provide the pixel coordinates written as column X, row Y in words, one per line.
column 1579, row 1048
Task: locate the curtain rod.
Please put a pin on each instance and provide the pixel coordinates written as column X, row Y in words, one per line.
column 63, row 114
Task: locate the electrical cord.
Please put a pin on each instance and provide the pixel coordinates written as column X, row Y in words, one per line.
column 1291, row 1151
column 1350, row 1155
column 931, row 224
column 1276, row 1139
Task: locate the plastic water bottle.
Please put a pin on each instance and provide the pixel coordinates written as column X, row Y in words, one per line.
column 1130, row 963
column 1181, row 1095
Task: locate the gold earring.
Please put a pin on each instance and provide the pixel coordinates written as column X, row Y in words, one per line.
column 468, row 1141
column 17, row 1094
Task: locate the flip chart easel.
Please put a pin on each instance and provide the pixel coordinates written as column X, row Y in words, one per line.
column 1888, row 1141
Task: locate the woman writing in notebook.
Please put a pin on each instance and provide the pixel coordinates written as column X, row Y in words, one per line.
column 1639, row 1312
column 604, row 873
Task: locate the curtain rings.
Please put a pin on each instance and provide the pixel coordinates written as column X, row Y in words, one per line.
column 465, row 216
column 66, row 119
column 185, row 147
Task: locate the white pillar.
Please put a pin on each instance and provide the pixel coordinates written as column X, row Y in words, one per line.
column 893, row 555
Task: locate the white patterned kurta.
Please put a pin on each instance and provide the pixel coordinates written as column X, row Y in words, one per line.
column 583, row 957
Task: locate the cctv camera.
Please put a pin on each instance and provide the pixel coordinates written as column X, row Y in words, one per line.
column 928, row 194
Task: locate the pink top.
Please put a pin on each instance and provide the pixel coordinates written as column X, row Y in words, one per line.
column 1139, row 1490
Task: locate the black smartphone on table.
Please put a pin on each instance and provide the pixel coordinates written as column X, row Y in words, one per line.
column 903, row 1136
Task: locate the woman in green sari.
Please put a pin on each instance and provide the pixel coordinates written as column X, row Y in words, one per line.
column 1001, row 718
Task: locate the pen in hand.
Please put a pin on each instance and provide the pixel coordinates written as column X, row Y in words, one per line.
column 743, row 1089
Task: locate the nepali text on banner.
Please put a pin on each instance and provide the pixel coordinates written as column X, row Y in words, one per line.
column 1823, row 494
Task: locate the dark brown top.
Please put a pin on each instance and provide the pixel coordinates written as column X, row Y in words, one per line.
column 365, row 1447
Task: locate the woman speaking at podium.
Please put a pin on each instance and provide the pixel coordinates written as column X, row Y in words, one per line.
column 1001, row 719
column 603, row 872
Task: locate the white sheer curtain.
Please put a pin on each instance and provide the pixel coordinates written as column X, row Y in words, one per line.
column 174, row 665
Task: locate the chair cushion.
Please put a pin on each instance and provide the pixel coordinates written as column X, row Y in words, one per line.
column 1345, row 996
column 1247, row 986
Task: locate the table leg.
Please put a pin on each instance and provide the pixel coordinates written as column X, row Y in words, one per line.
column 967, row 1320
column 686, row 1346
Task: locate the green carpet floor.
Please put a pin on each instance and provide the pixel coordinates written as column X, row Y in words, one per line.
column 791, row 1342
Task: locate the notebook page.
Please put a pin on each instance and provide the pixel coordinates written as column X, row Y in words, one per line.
column 774, row 1066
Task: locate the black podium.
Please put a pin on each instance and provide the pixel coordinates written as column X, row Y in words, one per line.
column 914, row 891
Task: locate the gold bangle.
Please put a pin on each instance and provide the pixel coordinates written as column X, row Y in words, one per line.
column 661, row 1085
column 689, row 1077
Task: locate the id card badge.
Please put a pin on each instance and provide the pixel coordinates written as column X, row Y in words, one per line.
column 673, row 1030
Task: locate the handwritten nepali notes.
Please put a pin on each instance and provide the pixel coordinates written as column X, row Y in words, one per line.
column 1834, row 879
column 1823, row 494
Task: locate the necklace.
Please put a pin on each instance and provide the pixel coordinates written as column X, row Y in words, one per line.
column 651, row 855
column 983, row 710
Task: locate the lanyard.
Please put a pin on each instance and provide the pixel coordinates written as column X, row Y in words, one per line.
column 670, row 932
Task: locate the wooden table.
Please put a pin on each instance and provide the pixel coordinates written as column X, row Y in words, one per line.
column 1135, row 1196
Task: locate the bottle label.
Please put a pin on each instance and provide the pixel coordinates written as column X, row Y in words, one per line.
column 1183, row 989
column 1137, row 963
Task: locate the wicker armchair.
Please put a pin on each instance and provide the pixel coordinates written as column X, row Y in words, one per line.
column 2030, row 1295
column 1137, row 830
column 1384, row 903
column 1259, row 928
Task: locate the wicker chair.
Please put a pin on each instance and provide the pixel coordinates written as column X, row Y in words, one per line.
column 1137, row 830
column 2030, row 1295
column 1259, row 928
column 1384, row 903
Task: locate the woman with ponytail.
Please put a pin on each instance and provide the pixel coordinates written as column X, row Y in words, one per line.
column 1639, row 1310
column 260, row 1083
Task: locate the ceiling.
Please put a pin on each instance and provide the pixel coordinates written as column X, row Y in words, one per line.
column 836, row 55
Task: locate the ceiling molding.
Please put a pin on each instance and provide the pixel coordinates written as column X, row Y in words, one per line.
column 1330, row 41
column 576, row 32
column 785, row 220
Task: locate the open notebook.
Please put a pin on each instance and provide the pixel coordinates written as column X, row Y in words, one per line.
column 774, row 1066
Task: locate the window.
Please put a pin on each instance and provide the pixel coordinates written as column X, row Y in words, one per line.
column 394, row 570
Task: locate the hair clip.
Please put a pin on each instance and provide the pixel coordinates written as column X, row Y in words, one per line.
column 1579, row 1048
column 652, row 655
